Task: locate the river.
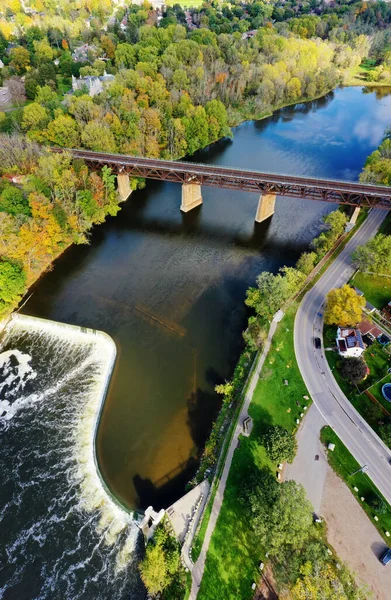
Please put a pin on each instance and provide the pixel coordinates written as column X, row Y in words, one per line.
column 169, row 288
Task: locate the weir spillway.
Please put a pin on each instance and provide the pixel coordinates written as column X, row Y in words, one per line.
column 61, row 533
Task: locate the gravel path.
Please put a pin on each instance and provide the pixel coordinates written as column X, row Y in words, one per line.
column 354, row 538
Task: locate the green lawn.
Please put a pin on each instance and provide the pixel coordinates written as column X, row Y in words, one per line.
column 344, row 464
column 376, row 391
column 234, row 552
column 377, row 290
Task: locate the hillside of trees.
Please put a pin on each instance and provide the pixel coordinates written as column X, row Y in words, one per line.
column 179, row 81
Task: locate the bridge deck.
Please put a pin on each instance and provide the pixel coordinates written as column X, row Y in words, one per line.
column 328, row 190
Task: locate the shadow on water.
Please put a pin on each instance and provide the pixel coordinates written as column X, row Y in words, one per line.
column 202, row 410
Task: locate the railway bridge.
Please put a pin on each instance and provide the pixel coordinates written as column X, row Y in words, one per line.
column 193, row 175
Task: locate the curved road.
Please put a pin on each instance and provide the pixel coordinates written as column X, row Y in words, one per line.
column 355, row 433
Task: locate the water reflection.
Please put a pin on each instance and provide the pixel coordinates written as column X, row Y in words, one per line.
column 170, row 287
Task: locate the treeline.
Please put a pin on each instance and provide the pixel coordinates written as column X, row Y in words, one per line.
column 175, row 93
column 52, row 202
column 175, row 90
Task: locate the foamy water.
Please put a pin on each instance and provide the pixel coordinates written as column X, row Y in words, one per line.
column 61, row 533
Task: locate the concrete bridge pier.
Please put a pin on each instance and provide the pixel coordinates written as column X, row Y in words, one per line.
column 265, row 208
column 191, row 196
column 124, row 188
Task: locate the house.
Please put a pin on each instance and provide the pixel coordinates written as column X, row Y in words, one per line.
column 349, row 342
column 1, row 64
column 94, row 84
column 81, row 53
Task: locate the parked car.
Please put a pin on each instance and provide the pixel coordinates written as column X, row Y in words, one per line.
column 386, row 557
column 317, row 343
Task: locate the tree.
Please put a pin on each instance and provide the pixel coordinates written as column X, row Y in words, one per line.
column 35, row 116
column 63, row 131
column 306, row 262
column 280, row 514
column 280, row 444
column 375, row 255
column 225, row 389
column 125, row 56
column 20, row 59
column 290, row 518
column 42, row 50
column 354, row 369
column 13, row 202
column 268, row 296
column 385, row 433
column 98, row 137
column 153, row 569
column 12, row 284
column 344, row 307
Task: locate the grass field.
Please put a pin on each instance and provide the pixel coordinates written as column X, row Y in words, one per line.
column 358, row 75
column 344, row 464
column 377, row 290
column 234, row 553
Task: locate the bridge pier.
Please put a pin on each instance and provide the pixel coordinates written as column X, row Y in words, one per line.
column 265, row 208
column 354, row 216
column 124, row 188
column 191, row 196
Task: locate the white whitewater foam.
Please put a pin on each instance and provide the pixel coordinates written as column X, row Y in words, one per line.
column 92, row 493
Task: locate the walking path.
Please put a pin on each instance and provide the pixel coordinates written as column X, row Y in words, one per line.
column 199, row 566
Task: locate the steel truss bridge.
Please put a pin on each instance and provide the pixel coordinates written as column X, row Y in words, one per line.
column 308, row 188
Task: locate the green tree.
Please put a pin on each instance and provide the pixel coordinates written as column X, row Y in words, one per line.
column 280, row 444
column 63, row 131
column 290, row 518
column 12, row 284
column 42, row 51
column 125, row 56
column 98, row 136
column 35, row 116
column 225, row 389
column 20, row 59
column 13, row 202
column 344, row 307
column 354, row 369
column 375, row 255
column 306, row 262
column 154, row 569
column 385, row 433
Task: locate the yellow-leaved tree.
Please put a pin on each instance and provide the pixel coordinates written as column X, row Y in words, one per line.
column 344, row 307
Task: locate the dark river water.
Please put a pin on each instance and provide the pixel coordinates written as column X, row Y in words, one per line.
column 169, row 287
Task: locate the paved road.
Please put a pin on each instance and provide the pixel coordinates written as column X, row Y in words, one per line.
column 198, row 569
column 305, row 469
column 336, row 409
